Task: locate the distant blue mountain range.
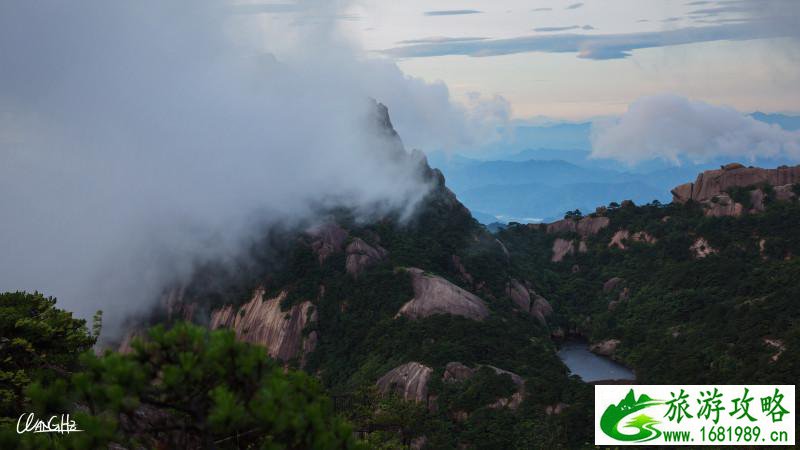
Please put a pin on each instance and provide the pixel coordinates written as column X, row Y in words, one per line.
column 540, row 172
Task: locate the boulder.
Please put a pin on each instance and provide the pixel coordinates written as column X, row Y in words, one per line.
column 556, row 409
column 785, row 192
column 562, row 248
column 409, row 381
column 435, row 295
column 611, row 284
column 541, row 309
column 582, row 247
column 361, row 256
column 519, row 294
column 327, row 239
column 263, row 323
column 605, row 348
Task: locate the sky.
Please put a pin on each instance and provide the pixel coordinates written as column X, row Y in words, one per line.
column 578, row 60
column 140, row 138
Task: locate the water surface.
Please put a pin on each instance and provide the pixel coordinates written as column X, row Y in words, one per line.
column 590, row 367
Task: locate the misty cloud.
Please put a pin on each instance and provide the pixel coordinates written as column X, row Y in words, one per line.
column 138, row 137
column 574, row 6
column 677, row 129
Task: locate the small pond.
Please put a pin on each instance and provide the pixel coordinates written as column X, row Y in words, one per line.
column 590, row 367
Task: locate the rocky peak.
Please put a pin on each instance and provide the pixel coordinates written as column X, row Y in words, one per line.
column 713, row 183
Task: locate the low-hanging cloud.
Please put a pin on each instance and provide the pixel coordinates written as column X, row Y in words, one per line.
column 139, row 137
column 677, row 129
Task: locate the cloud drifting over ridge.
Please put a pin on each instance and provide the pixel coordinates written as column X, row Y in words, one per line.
column 675, row 129
column 137, row 137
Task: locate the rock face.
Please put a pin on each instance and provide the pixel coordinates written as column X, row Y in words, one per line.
column 435, row 295
column 605, row 348
column 361, row 256
column 562, row 248
column 262, row 322
column 327, row 240
column 410, row 381
column 587, row 226
column 715, row 182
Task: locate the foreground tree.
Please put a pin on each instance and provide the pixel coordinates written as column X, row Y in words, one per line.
column 37, row 341
column 188, row 387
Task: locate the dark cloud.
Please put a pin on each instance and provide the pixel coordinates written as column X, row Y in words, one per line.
column 574, row 6
column 452, row 12
column 541, row 9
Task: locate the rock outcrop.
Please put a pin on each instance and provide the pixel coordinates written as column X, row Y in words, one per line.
column 611, row 284
column 621, row 236
column 723, row 205
column 561, row 249
column 713, row 183
column 778, row 345
column 262, row 322
column 361, row 256
column 435, row 295
column 457, row 372
column 327, row 240
column 586, row 226
column 701, row 248
column 605, row 348
column 409, row 381
column 527, row 300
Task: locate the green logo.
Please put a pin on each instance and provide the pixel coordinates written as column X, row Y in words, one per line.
column 613, row 418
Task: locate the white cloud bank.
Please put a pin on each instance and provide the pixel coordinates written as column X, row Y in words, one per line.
column 676, row 129
column 137, row 137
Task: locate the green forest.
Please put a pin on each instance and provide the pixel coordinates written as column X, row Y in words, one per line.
column 728, row 317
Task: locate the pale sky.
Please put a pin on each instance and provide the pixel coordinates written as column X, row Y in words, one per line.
column 576, row 60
